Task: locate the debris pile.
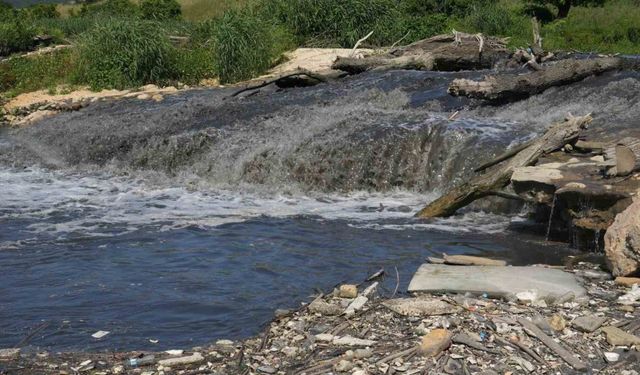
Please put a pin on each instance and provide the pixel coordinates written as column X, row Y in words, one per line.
column 354, row 330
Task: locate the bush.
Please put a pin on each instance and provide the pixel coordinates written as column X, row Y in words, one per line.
column 15, row 36
column 160, row 9
column 121, row 53
column 41, row 11
column 246, row 45
column 119, row 8
column 491, row 20
column 338, row 22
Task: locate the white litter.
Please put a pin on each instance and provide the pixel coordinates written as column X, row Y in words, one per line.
column 100, row 334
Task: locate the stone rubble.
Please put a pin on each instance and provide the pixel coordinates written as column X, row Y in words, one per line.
column 413, row 334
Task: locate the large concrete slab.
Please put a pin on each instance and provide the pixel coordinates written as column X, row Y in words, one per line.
column 495, row 281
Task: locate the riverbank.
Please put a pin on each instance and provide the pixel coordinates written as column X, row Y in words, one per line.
column 360, row 329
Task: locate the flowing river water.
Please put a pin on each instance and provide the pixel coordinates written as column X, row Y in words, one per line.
column 177, row 223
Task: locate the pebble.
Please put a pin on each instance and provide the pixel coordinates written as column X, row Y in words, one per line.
column 557, row 322
column 348, row 291
column 616, row 336
column 267, row 370
column 352, row 341
column 324, row 308
column 363, row 353
column 627, row 281
column 434, row 342
column 343, row 366
column 588, row 323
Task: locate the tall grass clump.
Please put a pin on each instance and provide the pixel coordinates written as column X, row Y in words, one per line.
column 160, row 9
column 337, row 22
column 609, row 29
column 110, row 8
column 119, row 53
column 245, row 45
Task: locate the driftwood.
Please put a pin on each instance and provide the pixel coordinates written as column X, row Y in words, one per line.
column 551, row 344
column 508, row 87
column 299, row 78
column 451, row 52
column 481, row 186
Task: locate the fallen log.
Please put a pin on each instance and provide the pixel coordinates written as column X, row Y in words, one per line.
column 509, row 87
column 452, row 52
column 299, row 78
column 481, row 186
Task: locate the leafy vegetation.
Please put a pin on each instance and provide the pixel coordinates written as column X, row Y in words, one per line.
column 123, row 43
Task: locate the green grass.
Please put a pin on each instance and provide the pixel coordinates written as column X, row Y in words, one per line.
column 21, row 75
column 120, row 53
column 609, row 29
column 239, row 39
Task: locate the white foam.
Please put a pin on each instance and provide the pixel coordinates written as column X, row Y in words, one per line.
column 96, row 205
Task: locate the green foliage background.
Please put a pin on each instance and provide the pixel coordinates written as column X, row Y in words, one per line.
column 126, row 43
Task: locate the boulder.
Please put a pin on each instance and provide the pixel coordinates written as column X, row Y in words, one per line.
column 622, row 242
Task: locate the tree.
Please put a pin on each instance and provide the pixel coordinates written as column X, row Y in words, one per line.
column 563, row 6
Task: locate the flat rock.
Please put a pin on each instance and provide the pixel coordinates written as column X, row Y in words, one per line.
column 616, row 336
column 324, row 308
column 421, row 306
column 187, row 360
column 589, row 323
column 494, row 281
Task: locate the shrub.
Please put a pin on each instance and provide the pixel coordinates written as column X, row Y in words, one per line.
column 122, row 53
column 15, row 36
column 491, row 20
column 246, row 45
column 41, row 11
column 160, row 9
column 119, row 8
column 338, row 22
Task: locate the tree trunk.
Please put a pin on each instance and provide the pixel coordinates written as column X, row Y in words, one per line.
column 509, row 87
column 480, row 186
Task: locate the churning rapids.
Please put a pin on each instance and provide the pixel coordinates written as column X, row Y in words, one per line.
column 191, row 220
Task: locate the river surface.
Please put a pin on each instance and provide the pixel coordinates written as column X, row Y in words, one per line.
column 176, row 224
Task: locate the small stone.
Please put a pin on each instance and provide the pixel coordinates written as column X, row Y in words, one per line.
column 611, row 357
column 589, row 323
column 617, row 337
column 144, row 96
column 119, row 369
column 528, row 296
column 8, row 354
column 421, row 306
column 324, row 337
column 324, row 308
column 557, row 322
column 348, row 291
column 627, row 308
column 194, row 358
column 627, row 281
column 434, row 342
column 352, row 341
column 267, row 370
column 281, row 313
column 362, row 353
column 343, row 366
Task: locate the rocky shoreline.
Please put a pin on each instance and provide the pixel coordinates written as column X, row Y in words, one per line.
column 355, row 329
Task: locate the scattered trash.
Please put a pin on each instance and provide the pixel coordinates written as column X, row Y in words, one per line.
column 100, row 334
column 153, row 341
column 144, row 360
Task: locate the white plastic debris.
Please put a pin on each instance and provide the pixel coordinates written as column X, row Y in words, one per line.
column 611, row 357
column 175, row 352
column 100, row 334
column 356, row 305
column 631, row 297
